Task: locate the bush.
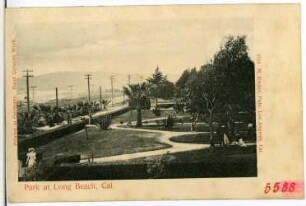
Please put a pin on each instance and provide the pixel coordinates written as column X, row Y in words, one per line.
column 169, row 122
column 155, row 167
column 67, row 159
column 156, row 111
column 24, row 125
column 104, row 122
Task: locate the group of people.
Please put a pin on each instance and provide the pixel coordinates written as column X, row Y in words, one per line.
column 227, row 135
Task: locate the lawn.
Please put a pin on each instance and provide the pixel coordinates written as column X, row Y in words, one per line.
column 215, row 155
column 213, row 162
column 204, row 139
column 146, row 114
column 231, row 161
column 102, row 143
column 193, row 138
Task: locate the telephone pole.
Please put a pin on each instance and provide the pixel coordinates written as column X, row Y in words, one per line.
column 33, row 90
column 88, row 77
column 129, row 79
column 123, row 97
column 92, row 88
column 27, row 76
column 100, row 89
column 71, row 88
column 112, row 87
column 56, row 97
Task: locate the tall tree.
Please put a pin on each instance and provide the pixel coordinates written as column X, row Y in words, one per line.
column 236, row 71
column 138, row 95
column 224, row 83
column 159, row 86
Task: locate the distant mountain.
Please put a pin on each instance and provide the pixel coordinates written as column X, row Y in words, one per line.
column 63, row 80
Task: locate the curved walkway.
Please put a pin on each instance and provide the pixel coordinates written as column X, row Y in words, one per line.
column 165, row 138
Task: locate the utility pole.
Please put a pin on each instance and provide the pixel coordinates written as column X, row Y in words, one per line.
column 123, row 97
column 112, row 87
column 71, row 87
column 33, row 89
column 56, row 96
column 27, row 76
column 88, row 77
column 92, row 88
column 100, row 89
column 129, row 79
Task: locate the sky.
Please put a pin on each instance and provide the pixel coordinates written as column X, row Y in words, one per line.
column 124, row 45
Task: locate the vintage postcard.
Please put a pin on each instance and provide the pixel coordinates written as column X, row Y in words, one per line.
column 154, row 103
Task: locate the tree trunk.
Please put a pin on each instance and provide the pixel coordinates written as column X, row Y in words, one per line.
column 193, row 124
column 86, row 133
column 156, row 103
column 211, row 131
column 139, row 118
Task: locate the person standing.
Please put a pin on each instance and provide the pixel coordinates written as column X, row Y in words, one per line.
column 31, row 158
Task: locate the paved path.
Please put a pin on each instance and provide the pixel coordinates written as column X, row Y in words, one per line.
column 165, row 138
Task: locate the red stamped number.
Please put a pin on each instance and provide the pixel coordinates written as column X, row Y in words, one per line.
column 280, row 187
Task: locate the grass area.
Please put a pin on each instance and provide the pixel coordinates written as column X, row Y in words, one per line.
column 231, row 161
column 216, row 155
column 103, row 143
column 213, row 162
column 201, row 139
column 146, row 114
column 192, row 138
column 179, row 127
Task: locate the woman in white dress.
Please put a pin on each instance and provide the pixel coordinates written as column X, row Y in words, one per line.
column 31, row 157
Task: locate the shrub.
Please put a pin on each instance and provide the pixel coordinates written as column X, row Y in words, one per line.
column 67, row 159
column 157, row 122
column 169, row 122
column 156, row 111
column 24, row 125
column 155, row 167
column 104, row 122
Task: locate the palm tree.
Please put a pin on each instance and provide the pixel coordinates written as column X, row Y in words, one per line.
column 50, row 113
column 104, row 103
column 138, row 99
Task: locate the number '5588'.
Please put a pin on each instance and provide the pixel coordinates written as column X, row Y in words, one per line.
column 280, row 187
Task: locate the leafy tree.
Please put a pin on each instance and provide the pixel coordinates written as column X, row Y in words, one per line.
column 225, row 84
column 24, row 123
column 181, row 83
column 181, row 88
column 236, row 72
column 204, row 95
column 160, row 87
column 138, row 96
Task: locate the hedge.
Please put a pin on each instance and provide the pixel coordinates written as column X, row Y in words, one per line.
column 49, row 136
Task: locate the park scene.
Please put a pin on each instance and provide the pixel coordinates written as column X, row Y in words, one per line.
column 201, row 124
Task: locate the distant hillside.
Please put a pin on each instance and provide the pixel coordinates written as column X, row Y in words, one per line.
column 63, row 80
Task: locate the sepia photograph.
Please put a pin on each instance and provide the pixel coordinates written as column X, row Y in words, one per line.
column 136, row 100
column 154, row 103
